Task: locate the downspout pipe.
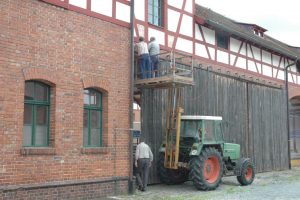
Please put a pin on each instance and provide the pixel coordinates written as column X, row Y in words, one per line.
column 288, row 108
column 131, row 181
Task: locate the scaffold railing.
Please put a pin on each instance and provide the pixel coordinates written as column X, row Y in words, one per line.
column 174, row 69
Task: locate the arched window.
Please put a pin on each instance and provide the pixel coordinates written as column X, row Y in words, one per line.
column 36, row 114
column 92, row 118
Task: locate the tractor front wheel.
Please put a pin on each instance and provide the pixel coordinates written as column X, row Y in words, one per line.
column 247, row 173
column 207, row 169
column 170, row 176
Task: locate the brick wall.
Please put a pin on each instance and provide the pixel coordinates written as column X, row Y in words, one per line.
column 69, row 52
column 71, row 191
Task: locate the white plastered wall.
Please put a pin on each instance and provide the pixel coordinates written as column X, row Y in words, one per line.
column 200, row 50
column 212, row 53
column 235, row 45
column 159, row 35
column 280, row 75
column 266, row 57
column 78, row 3
column 198, row 35
column 222, row 57
column 184, row 45
column 176, row 3
column 256, row 52
column 186, row 27
column 267, row 70
column 249, row 52
column 258, row 67
column 251, row 66
column 123, row 12
column 170, row 41
column 102, row 7
column 173, row 19
column 189, row 6
column 241, row 63
column 209, row 35
column 243, row 49
column 139, row 9
column 276, row 60
column 282, row 64
column 232, row 59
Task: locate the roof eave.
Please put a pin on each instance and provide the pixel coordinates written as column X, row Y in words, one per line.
column 249, row 38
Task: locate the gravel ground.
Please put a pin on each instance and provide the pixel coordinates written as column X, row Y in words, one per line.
column 270, row 185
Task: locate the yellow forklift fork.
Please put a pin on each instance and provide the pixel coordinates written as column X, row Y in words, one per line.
column 174, row 110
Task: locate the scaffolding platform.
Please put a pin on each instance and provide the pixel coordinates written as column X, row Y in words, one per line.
column 174, row 70
column 166, row 81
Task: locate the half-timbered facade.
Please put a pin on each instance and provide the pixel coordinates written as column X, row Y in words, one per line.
column 210, row 37
column 59, row 58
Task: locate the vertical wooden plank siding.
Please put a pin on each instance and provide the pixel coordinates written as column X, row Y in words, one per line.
column 254, row 115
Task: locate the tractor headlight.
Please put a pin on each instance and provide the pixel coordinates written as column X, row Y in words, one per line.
column 194, row 152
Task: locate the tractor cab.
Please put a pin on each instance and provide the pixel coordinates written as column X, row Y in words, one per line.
column 201, row 129
column 198, row 131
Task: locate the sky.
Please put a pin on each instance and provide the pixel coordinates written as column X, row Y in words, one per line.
column 280, row 18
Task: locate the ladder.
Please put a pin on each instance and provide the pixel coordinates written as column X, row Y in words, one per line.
column 174, row 111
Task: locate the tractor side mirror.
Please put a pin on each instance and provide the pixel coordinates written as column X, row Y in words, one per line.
column 298, row 67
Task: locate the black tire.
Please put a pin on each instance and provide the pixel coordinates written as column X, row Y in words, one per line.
column 169, row 176
column 247, row 173
column 207, row 169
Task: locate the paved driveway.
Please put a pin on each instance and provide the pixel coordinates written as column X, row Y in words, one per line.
column 271, row 185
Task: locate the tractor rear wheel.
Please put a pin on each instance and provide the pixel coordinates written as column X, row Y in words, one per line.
column 170, row 176
column 207, row 169
column 247, row 173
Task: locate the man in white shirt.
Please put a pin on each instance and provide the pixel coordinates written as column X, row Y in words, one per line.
column 144, row 59
column 143, row 160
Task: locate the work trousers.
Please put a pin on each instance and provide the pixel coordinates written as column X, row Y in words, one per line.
column 145, row 66
column 143, row 172
column 154, row 65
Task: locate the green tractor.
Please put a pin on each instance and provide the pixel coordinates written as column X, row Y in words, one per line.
column 198, row 152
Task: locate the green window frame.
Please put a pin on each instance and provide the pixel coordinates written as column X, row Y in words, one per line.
column 92, row 118
column 222, row 40
column 36, row 114
column 155, row 12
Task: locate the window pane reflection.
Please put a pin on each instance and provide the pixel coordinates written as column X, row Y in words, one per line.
column 29, row 91
column 86, row 97
column 41, row 135
column 27, row 114
column 41, row 92
column 41, row 115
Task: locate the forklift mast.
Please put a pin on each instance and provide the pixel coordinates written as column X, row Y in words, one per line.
column 174, row 111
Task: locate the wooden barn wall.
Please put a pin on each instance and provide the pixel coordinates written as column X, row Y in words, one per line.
column 254, row 115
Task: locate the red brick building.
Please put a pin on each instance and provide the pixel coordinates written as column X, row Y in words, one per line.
column 64, row 101
column 65, row 85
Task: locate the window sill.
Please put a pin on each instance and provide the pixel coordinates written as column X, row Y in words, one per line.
column 94, row 150
column 155, row 26
column 37, row 151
